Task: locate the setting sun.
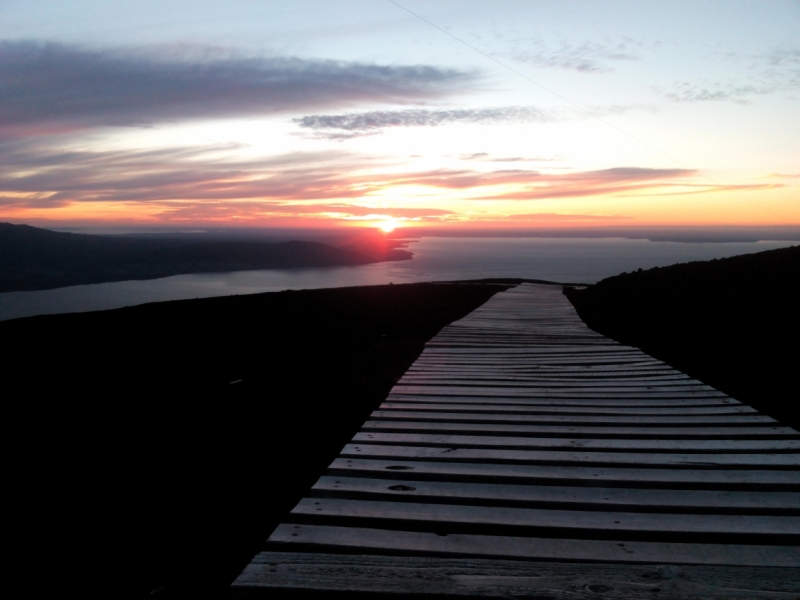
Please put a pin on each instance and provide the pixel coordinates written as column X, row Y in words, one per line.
column 388, row 226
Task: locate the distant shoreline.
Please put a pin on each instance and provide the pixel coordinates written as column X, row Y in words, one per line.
column 435, row 259
column 33, row 259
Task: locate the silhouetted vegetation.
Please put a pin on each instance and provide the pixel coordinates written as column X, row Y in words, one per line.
column 733, row 323
column 136, row 464
column 37, row 259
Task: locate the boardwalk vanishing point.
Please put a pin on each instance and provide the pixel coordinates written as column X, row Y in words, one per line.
column 524, row 455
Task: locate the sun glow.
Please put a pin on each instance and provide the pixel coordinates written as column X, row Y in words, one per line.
column 388, row 226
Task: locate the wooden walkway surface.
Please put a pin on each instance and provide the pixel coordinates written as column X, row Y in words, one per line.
column 525, row 455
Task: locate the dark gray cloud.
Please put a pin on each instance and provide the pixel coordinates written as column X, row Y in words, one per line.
column 351, row 125
column 365, row 123
column 48, row 87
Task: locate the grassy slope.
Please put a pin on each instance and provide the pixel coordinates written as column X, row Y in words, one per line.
column 137, row 464
column 733, row 323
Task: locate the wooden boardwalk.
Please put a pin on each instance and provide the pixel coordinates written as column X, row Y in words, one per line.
column 525, row 455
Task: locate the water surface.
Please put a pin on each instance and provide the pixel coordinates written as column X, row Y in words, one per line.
column 435, row 259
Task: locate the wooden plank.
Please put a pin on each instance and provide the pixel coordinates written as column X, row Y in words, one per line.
column 370, row 576
column 364, row 539
column 615, row 385
column 544, row 349
column 696, row 478
column 540, row 370
column 588, row 351
column 538, row 375
column 577, row 458
column 584, row 431
column 554, row 363
column 561, row 384
column 556, row 343
column 622, row 445
column 507, row 331
column 558, row 409
column 528, row 522
column 532, row 392
column 496, row 347
column 560, row 497
column 553, row 382
column 534, row 330
column 542, row 364
column 656, row 421
column 599, row 402
column 541, row 357
column 545, row 360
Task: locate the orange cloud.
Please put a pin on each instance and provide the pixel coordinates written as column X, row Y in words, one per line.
column 41, row 177
column 205, row 184
column 256, row 210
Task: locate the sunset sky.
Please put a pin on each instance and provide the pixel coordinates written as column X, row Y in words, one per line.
column 423, row 113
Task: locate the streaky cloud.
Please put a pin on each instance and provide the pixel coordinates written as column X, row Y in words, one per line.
column 212, row 210
column 586, row 57
column 592, row 183
column 346, row 126
column 777, row 70
column 686, row 91
column 372, row 121
column 193, row 180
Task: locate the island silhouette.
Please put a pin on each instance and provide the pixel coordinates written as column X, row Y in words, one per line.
column 32, row 258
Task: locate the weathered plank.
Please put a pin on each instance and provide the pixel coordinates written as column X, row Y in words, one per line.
column 618, row 445
column 725, row 409
column 654, row 420
column 601, row 476
column 363, row 539
column 587, row 524
column 577, row 458
column 538, row 392
column 623, row 376
column 578, row 432
column 387, row 576
column 561, row 497
column 607, row 402
column 564, row 386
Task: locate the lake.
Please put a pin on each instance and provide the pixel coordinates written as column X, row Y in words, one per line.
column 578, row 260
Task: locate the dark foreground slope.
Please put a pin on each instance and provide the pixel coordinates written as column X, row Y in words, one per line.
column 134, row 464
column 39, row 259
column 733, row 323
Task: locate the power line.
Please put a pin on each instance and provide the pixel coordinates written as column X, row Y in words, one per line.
column 576, row 105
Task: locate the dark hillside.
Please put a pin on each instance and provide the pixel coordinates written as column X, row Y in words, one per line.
column 38, row 259
column 135, row 464
column 733, row 323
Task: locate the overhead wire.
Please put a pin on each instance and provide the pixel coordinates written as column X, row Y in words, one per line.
column 578, row 106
